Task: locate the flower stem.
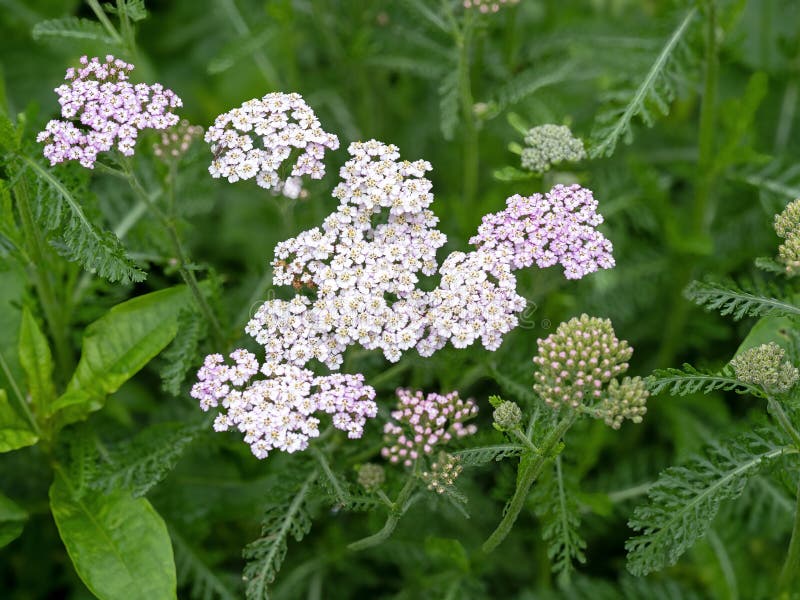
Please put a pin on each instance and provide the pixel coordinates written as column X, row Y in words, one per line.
column 180, row 254
column 529, row 472
column 397, row 510
column 792, row 564
column 784, row 421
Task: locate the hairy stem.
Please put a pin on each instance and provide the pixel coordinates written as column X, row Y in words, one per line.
column 792, row 564
column 528, row 474
column 397, row 510
column 51, row 307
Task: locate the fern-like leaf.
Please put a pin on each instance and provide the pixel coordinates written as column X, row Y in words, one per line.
column 182, row 354
column 73, row 29
column 476, row 457
column 146, row 459
column 682, row 382
column 684, row 501
column 558, row 510
column 655, row 92
column 733, row 300
column 265, row 555
column 98, row 250
column 530, row 81
column 780, row 177
column 519, row 391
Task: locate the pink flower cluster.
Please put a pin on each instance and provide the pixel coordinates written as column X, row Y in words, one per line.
column 277, row 413
column 100, row 107
column 422, row 422
column 283, row 123
column 558, row 227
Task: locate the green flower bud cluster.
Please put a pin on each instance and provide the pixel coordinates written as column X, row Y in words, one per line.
column 764, row 365
column 443, row 473
column 578, row 366
column 626, row 400
column 787, row 226
column 371, row 477
column 547, row 145
column 507, row 415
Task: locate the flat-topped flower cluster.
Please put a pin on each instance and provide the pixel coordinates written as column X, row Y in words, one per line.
column 100, row 108
column 283, row 124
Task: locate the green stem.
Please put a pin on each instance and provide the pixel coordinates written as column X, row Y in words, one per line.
column 784, row 421
column 103, row 18
column 41, row 280
column 529, row 472
column 470, row 167
column 397, row 510
column 243, row 30
column 341, row 495
column 792, row 564
column 180, row 254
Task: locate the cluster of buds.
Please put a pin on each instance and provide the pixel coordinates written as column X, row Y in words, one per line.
column 488, row 6
column 578, row 365
column 764, row 365
column 175, row 142
column 371, row 477
column 787, row 226
column 507, row 415
column 547, row 145
column 443, row 474
column 100, row 108
column 423, row 422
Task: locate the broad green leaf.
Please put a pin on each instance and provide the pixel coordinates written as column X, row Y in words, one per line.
column 36, row 361
column 768, row 329
column 15, row 432
column 12, row 290
column 448, row 551
column 12, row 520
column 117, row 346
column 119, row 545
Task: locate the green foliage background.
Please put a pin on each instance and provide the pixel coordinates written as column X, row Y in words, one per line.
column 394, row 71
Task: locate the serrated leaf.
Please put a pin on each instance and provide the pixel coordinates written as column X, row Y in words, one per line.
column 117, row 346
column 475, row 457
column 98, row 250
column 142, row 462
column 732, row 300
column 654, row 92
column 118, row 545
column 681, row 382
column 237, row 50
column 37, row 362
column 15, row 432
column 72, row 28
column 12, row 520
column 684, row 501
column 265, row 555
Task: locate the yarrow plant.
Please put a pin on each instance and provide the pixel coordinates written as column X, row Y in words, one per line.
column 764, row 365
column 555, row 228
column 488, row 6
column 548, row 145
column 422, row 422
column 100, row 107
column 278, row 412
column 787, row 226
column 256, row 139
column 578, row 365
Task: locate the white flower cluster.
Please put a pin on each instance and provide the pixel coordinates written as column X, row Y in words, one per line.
column 284, row 124
column 277, row 413
column 364, row 276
